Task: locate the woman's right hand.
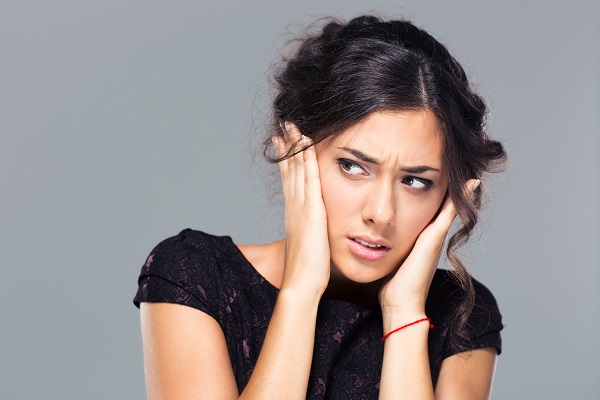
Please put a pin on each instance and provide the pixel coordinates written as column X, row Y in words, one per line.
column 307, row 258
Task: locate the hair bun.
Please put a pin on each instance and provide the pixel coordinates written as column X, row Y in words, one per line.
column 363, row 20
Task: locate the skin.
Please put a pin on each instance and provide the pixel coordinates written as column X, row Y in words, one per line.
column 377, row 196
column 373, row 194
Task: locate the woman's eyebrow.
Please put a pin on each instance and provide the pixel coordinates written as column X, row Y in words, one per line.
column 363, row 157
column 418, row 169
column 360, row 155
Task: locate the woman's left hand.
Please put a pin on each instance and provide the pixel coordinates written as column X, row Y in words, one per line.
column 405, row 293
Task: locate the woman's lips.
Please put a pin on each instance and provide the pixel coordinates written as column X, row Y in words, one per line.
column 367, row 253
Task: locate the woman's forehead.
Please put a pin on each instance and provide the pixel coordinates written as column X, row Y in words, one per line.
column 407, row 137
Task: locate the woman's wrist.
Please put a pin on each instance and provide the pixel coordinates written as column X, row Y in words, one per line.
column 297, row 297
column 394, row 318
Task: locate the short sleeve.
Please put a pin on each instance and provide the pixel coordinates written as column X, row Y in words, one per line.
column 484, row 324
column 180, row 270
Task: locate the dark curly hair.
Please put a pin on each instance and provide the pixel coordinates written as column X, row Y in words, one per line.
column 346, row 71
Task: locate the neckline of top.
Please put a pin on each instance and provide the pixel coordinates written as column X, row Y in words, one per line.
column 274, row 288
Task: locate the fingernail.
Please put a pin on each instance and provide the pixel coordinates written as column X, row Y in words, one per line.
column 286, row 126
column 304, row 140
column 475, row 185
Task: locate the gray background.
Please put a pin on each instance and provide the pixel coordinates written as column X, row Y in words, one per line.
column 123, row 122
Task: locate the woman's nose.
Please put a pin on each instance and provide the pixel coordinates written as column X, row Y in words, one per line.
column 379, row 206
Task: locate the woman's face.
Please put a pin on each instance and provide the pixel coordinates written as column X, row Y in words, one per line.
column 383, row 180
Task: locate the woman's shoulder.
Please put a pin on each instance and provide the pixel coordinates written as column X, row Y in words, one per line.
column 192, row 240
column 189, row 244
column 207, row 249
column 189, row 265
column 485, row 320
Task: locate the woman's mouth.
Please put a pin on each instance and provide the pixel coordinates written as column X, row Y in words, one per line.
column 372, row 246
column 370, row 250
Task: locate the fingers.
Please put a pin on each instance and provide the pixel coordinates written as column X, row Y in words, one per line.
column 448, row 212
column 470, row 186
column 279, row 144
column 312, row 179
column 296, row 164
column 299, row 172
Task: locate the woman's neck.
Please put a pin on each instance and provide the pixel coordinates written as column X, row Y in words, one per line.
column 268, row 259
column 342, row 288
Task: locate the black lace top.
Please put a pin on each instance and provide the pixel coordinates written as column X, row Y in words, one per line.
column 210, row 274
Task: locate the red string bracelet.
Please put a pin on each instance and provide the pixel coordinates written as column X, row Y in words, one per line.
column 387, row 335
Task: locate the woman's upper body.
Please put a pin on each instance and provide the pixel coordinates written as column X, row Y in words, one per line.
column 211, row 275
column 381, row 142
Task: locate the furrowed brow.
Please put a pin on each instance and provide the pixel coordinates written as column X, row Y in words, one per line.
column 419, row 169
column 360, row 155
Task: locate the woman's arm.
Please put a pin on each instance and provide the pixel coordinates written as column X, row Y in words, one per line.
column 185, row 350
column 467, row 375
column 185, row 354
column 464, row 376
column 283, row 366
column 406, row 371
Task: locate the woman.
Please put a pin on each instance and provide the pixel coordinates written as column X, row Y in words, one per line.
column 381, row 142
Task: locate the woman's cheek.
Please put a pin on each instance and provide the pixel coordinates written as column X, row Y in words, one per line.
column 328, row 190
column 338, row 198
column 416, row 216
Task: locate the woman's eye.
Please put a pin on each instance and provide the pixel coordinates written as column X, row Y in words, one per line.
column 351, row 167
column 416, row 183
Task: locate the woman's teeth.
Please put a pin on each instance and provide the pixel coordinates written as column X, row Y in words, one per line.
column 372, row 246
